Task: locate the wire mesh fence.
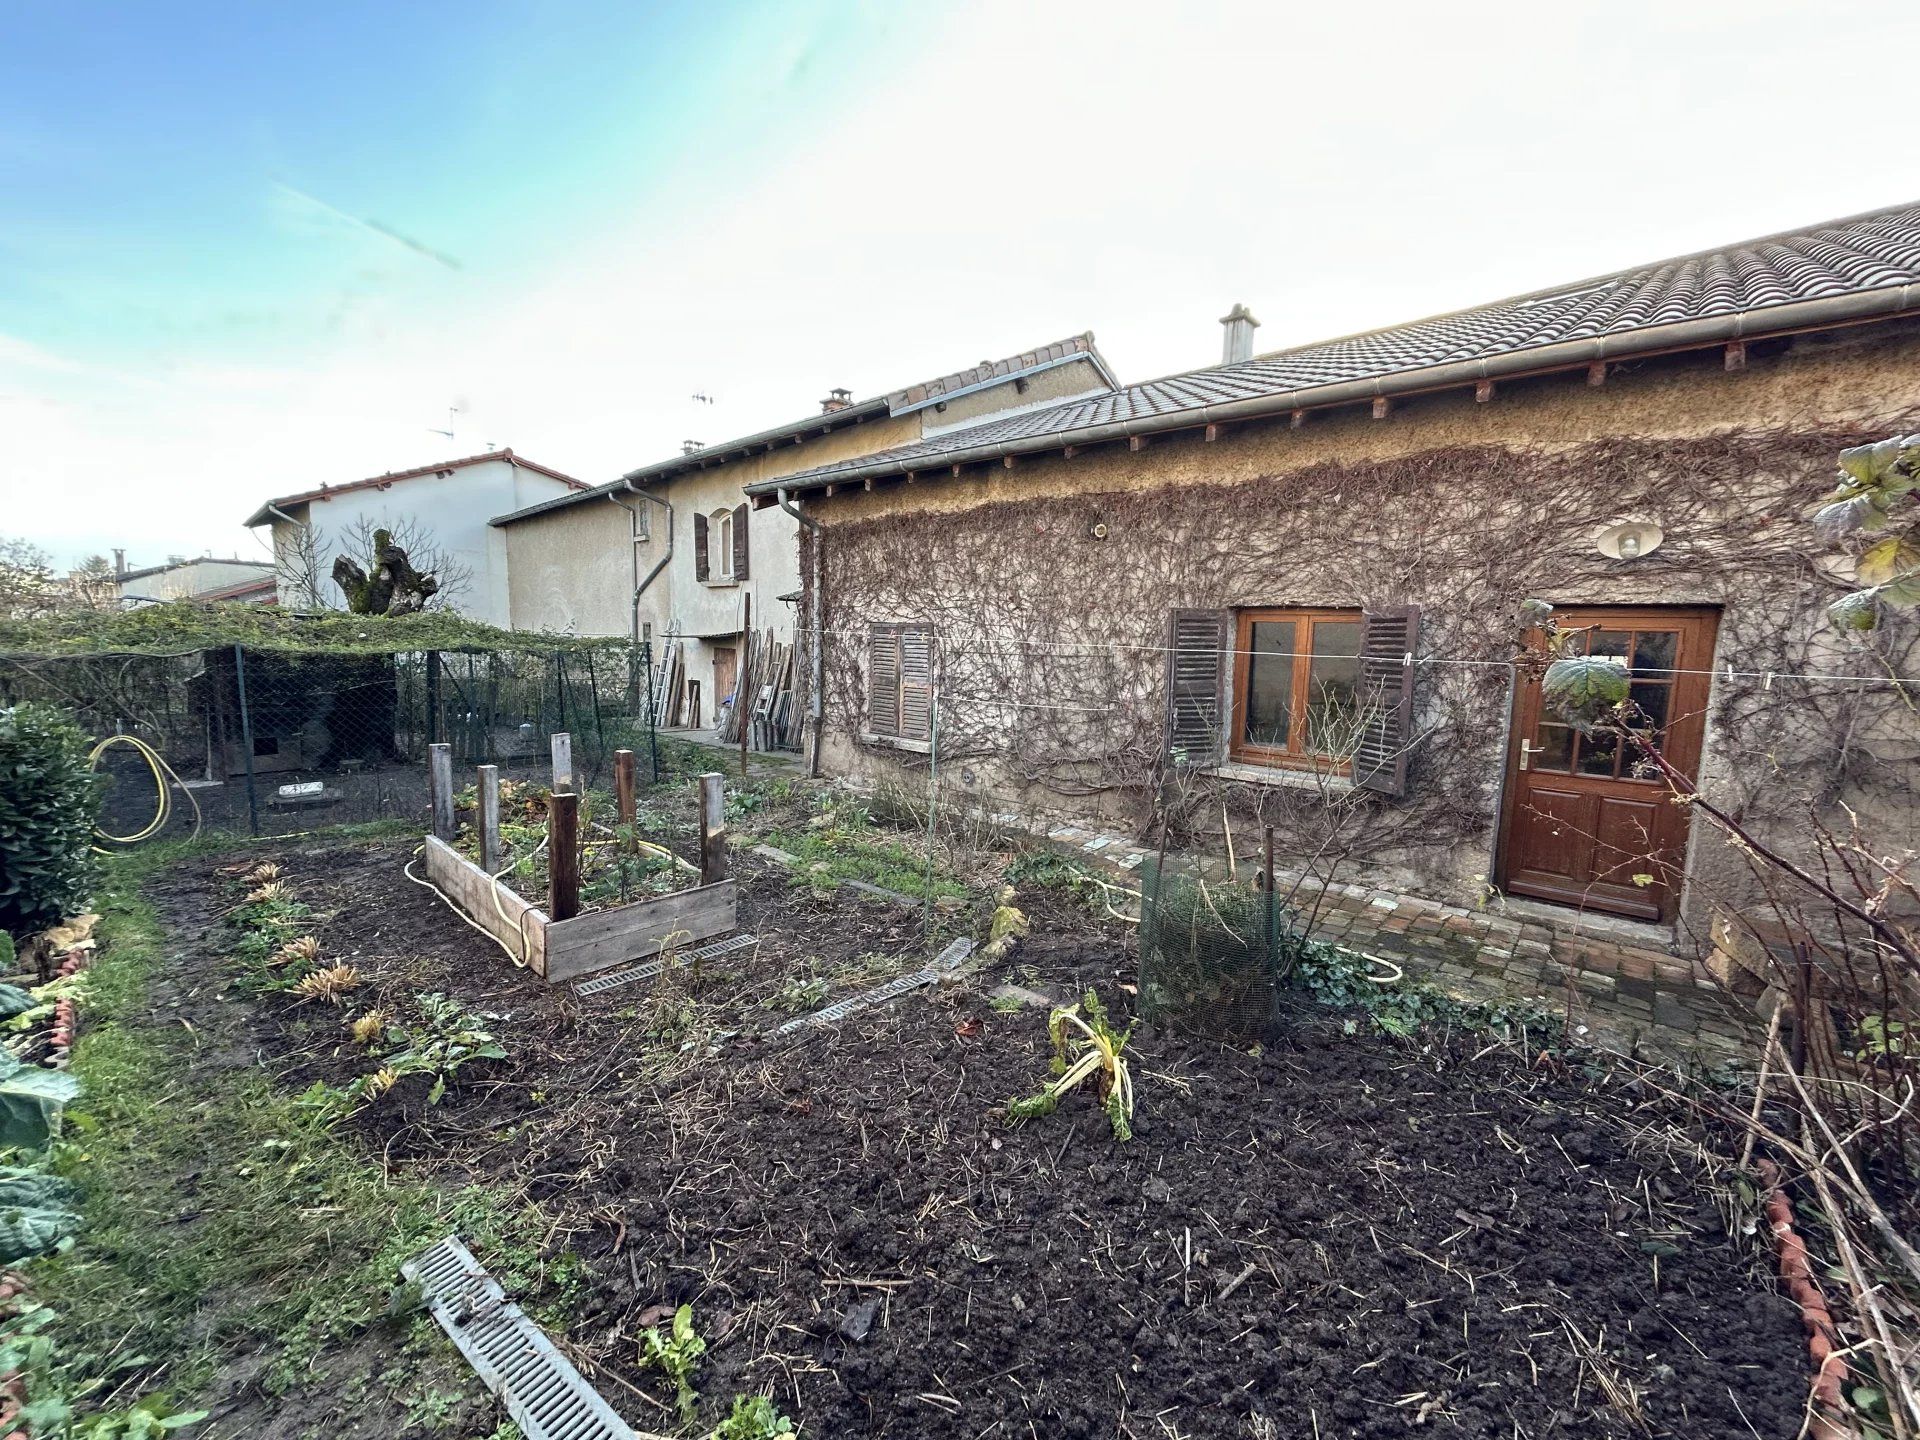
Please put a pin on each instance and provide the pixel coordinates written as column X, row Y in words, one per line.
column 277, row 741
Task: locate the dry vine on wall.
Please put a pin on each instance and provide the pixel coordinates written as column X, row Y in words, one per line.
column 1051, row 676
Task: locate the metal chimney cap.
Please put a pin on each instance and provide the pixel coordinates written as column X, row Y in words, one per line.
column 1239, row 312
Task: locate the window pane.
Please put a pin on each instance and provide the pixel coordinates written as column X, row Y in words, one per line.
column 1653, row 651
column 1270, row 684
column 1556, row 749
column 1333, row 701
column 1597, row 753
column 1610, row 642
column 1653, row 700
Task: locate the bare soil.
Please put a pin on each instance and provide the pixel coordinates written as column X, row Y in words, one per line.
column 1339, row 1236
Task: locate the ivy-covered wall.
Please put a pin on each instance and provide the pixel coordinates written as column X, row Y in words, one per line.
column 1050, row 585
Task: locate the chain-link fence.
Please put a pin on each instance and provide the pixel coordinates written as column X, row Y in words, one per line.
column 275, row 741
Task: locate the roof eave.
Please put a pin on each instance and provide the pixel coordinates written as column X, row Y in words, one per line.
column 1854, row 307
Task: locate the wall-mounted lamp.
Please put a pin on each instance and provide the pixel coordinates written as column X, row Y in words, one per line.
column 1629, row 539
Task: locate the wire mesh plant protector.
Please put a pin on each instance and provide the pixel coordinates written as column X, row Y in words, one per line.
column 1214, row 953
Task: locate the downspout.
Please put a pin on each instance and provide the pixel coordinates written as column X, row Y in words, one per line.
column 633, row 528
column 816, row 626
column 313, row 580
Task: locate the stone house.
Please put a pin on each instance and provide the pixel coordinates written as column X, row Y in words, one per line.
column 441, row 509
column 1166, row 603
column 673, row 553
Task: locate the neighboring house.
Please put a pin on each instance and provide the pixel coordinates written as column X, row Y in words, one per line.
column 673, row 553
column 1160, row 601
column 441, row 508
column 192, row 578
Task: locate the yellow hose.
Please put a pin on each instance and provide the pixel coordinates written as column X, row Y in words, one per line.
column 163, row 794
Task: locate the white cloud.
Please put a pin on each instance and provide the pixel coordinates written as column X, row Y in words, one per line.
column 1032, row 171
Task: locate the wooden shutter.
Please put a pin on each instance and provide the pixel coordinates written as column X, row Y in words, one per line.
column 699, row 546
column 883, row 679
column 916, row 682
column 1196, row 670
column 1387, row 638
column 740, row 542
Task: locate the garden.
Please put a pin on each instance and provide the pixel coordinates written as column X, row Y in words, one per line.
column 1004, row 1203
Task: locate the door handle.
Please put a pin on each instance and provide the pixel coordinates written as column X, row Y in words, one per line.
column 1527, row 751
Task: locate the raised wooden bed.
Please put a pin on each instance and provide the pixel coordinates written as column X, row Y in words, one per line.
column 566, row 949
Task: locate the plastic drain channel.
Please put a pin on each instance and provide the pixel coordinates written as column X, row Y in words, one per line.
column 945, row 963
column 651, row 969
column 545, row 1396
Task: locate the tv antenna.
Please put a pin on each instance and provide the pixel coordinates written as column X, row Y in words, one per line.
column 448, row 432
column 704, row 399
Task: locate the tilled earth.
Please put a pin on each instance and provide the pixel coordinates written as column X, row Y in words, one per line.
column 1340, row 1236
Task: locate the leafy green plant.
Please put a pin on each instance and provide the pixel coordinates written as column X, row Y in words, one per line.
column 754, row 1417
column 675, row 1355
column 31, row 1101
column 37, row 1212
column 443, row 1037
column 801, row 993
column 1876, row 504
column 1084, row 1048
column 49, row 805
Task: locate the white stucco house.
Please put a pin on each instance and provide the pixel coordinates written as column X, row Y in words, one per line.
column 441, row 508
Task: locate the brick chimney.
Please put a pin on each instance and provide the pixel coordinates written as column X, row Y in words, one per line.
column 836, row 400
column 1240, row 325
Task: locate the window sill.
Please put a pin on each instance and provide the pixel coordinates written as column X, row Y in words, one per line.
column 720, row 584
column 894, row 742
column 1283, row 777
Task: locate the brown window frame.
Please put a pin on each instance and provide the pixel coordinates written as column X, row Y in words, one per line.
column 1295, row 756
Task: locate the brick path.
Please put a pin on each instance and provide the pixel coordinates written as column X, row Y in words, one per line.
column 1615, row 994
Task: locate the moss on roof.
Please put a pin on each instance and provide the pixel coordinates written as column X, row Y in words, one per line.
column 184, row 625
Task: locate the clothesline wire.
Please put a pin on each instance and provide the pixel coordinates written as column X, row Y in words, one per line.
column 1725, row 672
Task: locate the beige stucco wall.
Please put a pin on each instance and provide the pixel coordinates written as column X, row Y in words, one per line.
column 1062, row 382
column 1350, row 511
column 571, row 569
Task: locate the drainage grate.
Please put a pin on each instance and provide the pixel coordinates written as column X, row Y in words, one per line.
column 945, row 963
column 650, row 969
column 543, row 1393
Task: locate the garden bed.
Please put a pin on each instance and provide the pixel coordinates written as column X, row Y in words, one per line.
column 1339, row 1235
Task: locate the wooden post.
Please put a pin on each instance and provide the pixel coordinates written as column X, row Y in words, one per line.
column 440, row 787
column 563, row 855
column 742, row 707
column 562, row 760
column 489, row 818
column 713, row 828
column 623, row 785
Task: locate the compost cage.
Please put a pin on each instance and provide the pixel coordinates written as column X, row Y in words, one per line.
column 279, row 739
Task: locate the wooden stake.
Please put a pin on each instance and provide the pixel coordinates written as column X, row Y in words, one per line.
column 713, row 828
column 562, row 761
column 622, row 785
column 440, row 787
column 563, row 855
column 489, row 818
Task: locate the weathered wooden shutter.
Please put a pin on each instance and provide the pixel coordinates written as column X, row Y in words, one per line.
column 1387, row 639
column 699, row 546
column 1196, row 685
column 916, row 682
column 740, row 542
column 883, row 679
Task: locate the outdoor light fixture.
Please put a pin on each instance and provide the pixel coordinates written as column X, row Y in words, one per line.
column 1629, row 539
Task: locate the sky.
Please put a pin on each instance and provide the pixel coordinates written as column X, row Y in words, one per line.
column 247, row 249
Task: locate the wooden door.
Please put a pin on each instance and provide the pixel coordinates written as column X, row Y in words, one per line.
column 726, row 672
column 1581, row 828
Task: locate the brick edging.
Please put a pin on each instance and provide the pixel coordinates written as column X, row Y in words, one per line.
column 1828, row 1418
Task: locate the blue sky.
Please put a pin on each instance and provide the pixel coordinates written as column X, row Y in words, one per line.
column 245, row 249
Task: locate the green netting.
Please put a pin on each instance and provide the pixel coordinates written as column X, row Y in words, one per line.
column 1214, row 954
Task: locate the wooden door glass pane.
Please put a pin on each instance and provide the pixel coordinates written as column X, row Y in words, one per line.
column 1269, row 706
column 1614, row 643
column 1652, row 700
column 1598, row 753
column 1333, row 680
column 1556, row 749
column 1653, row 652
